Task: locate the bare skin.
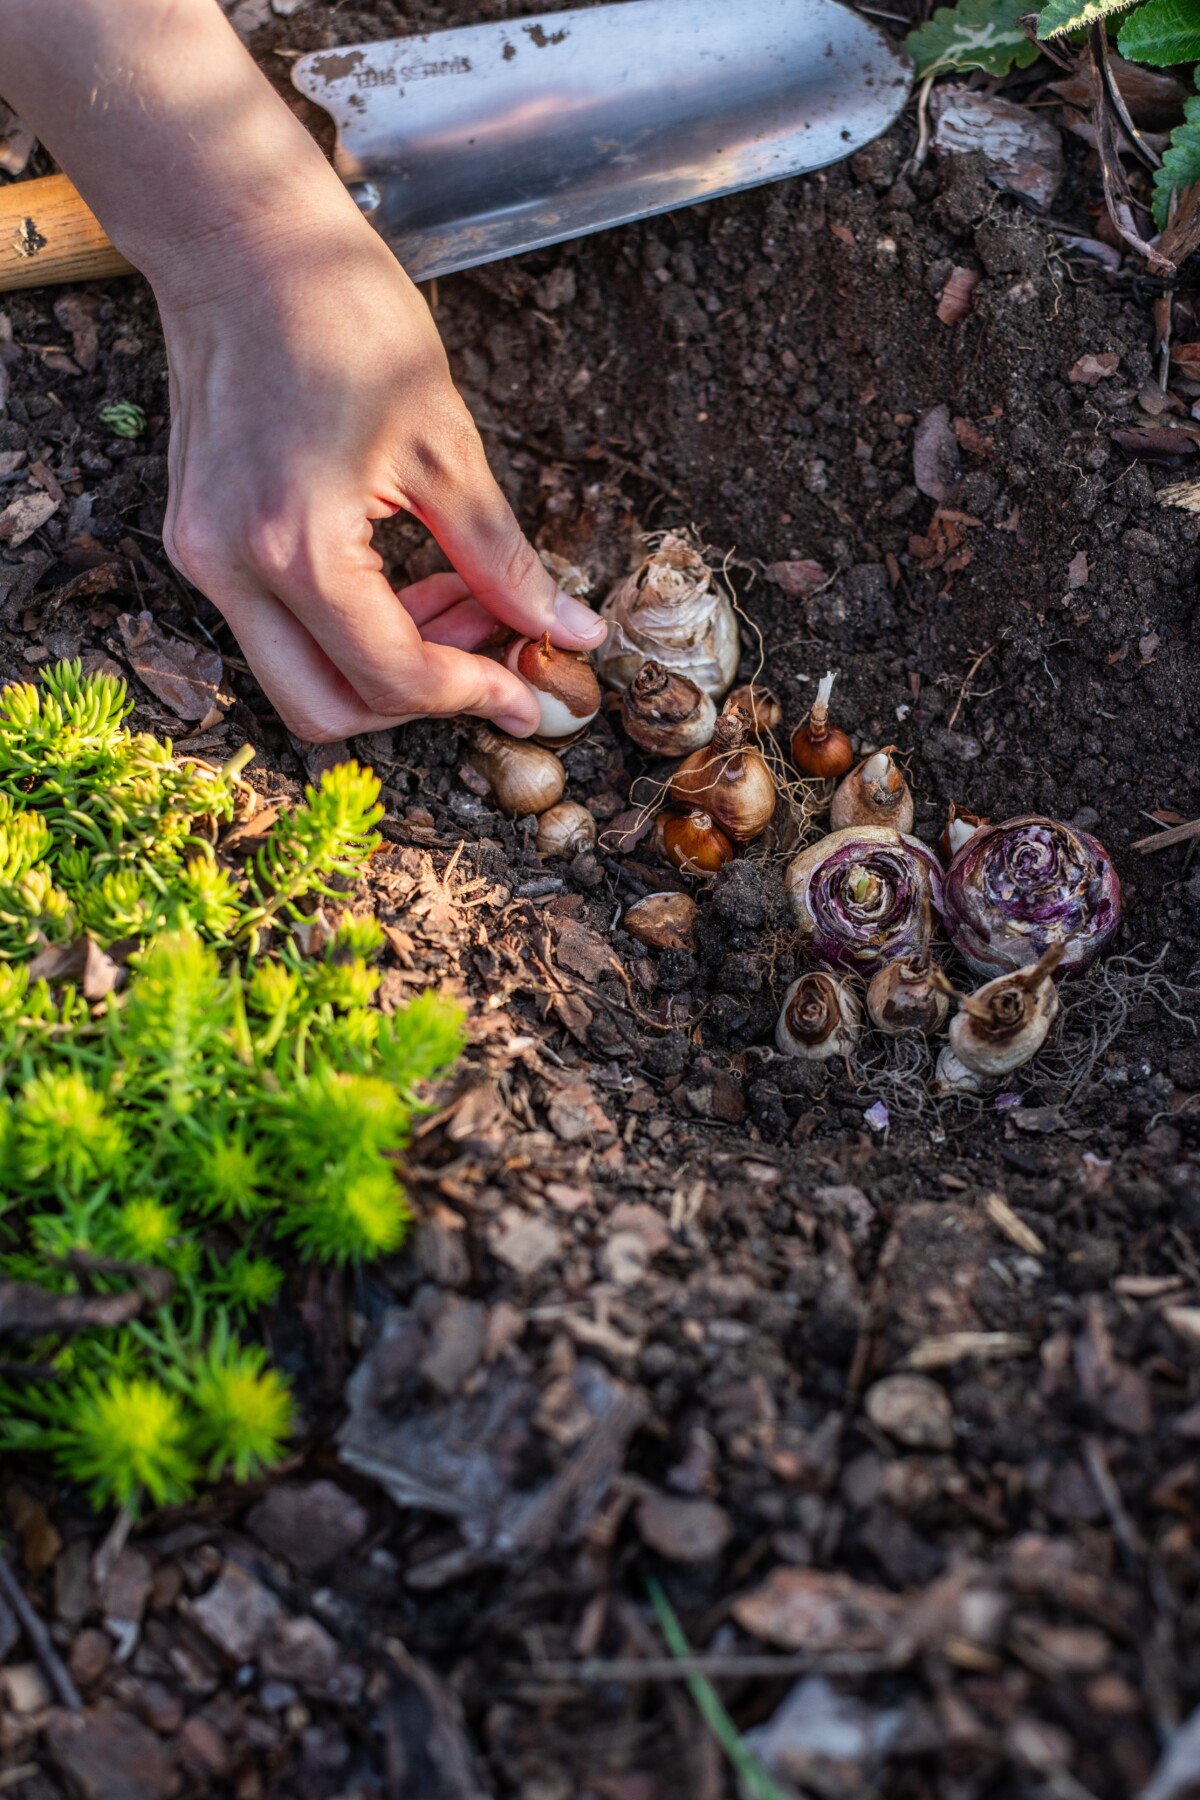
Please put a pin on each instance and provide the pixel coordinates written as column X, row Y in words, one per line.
column 310, row 392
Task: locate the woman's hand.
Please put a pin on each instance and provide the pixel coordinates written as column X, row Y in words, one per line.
column 309, row 390
column 306, row 401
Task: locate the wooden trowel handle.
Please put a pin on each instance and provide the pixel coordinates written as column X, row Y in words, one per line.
column 47, row 234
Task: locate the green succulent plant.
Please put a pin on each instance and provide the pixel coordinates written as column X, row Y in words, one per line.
column 234, row 1105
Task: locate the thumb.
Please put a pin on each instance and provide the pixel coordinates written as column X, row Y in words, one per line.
column 476, row 527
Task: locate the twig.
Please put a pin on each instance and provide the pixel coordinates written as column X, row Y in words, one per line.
column 1163, row 840
column 39, row 1638
column 1097, row 1462
column 967, row 680
column 629, row 1671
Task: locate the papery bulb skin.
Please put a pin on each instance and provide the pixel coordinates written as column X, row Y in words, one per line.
column 1016, row 888
column 1006, row 1021
column 523, row 777
column 693, row 842
column 821, row 1017
column 960, row 825
column 663, row 921
column 672, row 610
column 953, row 1077
column 902, row 998
column 865, row 896
column 820, row 750
column 730, row 780
column 565, row 829
column 760, row 707
column 667, row 714
column 875, row 793
column 564, row 682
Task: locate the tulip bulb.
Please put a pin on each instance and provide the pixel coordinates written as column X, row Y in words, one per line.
column 672, row 609
column 665, row 713
column 875, row 793
column 568, row 694
column 821, row 1017
column 903, row 997
column 730, row 780
column 565, row 829
column 1005, row 1022
column 823, row 750
column 523, row 777
column 960, row 825
column 694, row 842
column 663, row 921
column 760, row 707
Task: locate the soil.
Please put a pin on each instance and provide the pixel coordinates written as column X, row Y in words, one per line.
column 658, row 1272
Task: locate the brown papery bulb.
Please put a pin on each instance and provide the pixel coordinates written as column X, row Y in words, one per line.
column 663, row 921
column 665, row 713
column 565, row 829
column 523, row 777
column 903, row 997
column 875, row 793
column 568, row 694
column 693, row 842
column 820, row 749
column 760, row 707
column 1006, row 1021
column 730, row 780
column 821, row 1017
column 960, row 825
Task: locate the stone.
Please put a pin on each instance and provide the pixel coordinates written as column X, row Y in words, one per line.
column 524, row 1242
column 236, row 1613
column 91, row 1654
column 109, row 1755
column 683, row 1530
column 914, row 1410
column 310, row 1524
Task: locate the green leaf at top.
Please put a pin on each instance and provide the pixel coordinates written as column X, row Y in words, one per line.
column 1162, row 32
column 1180, row 163
column 975, row 34
column 1060, row 16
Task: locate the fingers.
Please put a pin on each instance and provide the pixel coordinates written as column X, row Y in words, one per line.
column 452, row 490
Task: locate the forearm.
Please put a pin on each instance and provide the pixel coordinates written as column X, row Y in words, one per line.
column 177, row 142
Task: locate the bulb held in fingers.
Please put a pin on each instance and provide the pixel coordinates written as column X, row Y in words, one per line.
column 821, row 1017
column 563, row 681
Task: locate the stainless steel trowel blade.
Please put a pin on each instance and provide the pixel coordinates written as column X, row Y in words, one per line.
column 481, row 142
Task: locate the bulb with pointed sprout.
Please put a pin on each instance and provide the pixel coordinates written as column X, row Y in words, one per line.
column 875, row 793
column 820, row 749
column 760, row 707
column 903, row 997
column 523, row 777
column 565, row 829
column 960, row 825
column 730, row 780
column 674, row 610
column 568, row 694
column 1005, row 1022
column 693, row 842
column 821, row 1017
column 665, row 713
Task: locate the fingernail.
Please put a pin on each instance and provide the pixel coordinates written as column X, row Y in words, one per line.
column 579, row 619
column 516, row 726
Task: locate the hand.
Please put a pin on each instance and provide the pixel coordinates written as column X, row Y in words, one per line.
column 308, row 399
column 310, row 393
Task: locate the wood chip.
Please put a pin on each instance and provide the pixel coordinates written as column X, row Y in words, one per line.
column 1185, row 1323
column 958, row 1346
column 1014, row 1228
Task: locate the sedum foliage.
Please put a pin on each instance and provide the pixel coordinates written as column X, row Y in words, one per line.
column 236, row 1107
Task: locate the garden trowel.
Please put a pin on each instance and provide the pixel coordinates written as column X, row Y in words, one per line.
column 466, row 145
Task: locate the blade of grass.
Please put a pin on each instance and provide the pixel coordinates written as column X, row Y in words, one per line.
column 757, row 1784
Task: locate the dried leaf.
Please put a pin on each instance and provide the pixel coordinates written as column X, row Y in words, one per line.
column 808, row 1609
column 181, row 676
column 29, row 1311
column 82, row 962
column 1094, row 366
column 77, row 314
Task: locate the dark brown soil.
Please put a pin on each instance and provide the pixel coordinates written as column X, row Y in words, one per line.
column 642, row 1234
